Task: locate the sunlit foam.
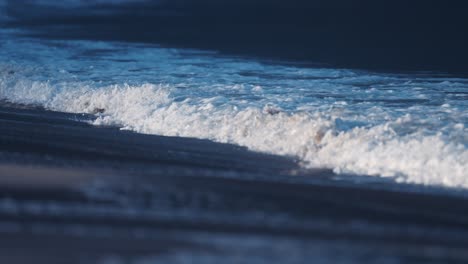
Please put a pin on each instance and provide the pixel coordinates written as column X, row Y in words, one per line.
column 313, row 137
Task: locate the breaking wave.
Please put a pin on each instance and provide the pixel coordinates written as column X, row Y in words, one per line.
column 317, row 138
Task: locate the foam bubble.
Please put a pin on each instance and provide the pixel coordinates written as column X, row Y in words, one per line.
column 395, row 148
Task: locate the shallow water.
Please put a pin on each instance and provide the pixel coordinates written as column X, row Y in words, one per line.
column 412, row 127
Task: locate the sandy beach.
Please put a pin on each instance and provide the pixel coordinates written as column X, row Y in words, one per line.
column 102, row 194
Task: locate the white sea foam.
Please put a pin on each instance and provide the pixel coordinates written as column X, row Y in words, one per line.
column 411, row 127
column 394, row 148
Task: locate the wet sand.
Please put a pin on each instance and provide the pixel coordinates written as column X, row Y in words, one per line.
column 76, row 193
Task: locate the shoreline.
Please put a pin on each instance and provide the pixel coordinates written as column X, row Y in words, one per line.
column 121, row 181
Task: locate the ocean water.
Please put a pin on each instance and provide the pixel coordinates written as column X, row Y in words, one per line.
column 412, row 127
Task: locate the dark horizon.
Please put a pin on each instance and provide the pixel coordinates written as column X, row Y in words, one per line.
column 365, row 34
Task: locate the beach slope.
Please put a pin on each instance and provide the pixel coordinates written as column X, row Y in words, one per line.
column 76, row 193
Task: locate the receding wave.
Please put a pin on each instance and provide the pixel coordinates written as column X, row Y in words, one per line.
column 316, row 138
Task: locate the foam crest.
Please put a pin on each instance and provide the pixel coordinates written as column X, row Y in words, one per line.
column 317, row 138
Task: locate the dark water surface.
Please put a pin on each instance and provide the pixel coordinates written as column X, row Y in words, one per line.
column 378, row 35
